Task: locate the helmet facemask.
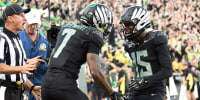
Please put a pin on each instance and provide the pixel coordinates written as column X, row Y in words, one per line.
column 131, row 33
column 98, row 16
column 105, row 29
column 136, row 16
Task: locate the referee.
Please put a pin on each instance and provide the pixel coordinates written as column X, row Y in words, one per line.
column 13, row 67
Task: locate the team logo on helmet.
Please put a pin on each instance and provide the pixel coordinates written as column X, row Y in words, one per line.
column 98, row 16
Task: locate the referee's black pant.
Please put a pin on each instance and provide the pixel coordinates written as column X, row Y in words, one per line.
column 10, row 90
column 13, row 94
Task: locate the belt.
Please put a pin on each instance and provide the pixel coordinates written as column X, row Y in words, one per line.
column 16, row 85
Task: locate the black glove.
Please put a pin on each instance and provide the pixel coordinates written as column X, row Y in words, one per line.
column 137, row 83
column 127, row 96
column 116, row 96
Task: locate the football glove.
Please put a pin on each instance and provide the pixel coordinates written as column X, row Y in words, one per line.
column 116, row 96
column 137, row 83
column 127, row 96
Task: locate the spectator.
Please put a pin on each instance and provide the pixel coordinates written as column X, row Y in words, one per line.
column 35, row 45
column 122, row 79
column 175, row 65
column 189, row 81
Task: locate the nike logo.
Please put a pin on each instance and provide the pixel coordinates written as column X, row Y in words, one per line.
column 153, row 94
column 146, row 41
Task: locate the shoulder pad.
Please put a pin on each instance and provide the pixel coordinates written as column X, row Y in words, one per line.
column 128, row 45
column 160, row 38
column 95, row 36
column 95, row 31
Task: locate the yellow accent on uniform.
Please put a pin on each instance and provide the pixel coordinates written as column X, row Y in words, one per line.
column 122, row 59
column 175, row 64
column 14, row 1
column 110, row 57
column 181, row 66
column 122, row 85
column 191, row 82
column 117, row 55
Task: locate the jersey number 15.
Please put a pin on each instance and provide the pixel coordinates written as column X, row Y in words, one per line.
column 145, row 67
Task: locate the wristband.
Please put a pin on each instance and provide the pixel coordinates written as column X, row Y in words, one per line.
column 31, row 88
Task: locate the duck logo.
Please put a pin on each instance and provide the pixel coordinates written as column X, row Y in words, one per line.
column 43, row 47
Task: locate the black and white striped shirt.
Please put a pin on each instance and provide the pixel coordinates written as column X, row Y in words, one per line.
column 12, row 53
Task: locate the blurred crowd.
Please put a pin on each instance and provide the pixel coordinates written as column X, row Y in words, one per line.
column 179, row 19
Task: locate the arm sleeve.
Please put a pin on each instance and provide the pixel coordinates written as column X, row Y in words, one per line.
column 95, row 42
column 164, row 59
column 93, row 48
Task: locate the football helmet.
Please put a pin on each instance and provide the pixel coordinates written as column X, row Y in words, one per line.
column 99, row 16
column 136, row 16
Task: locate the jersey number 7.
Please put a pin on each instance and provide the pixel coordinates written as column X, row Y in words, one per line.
column 68, row 34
